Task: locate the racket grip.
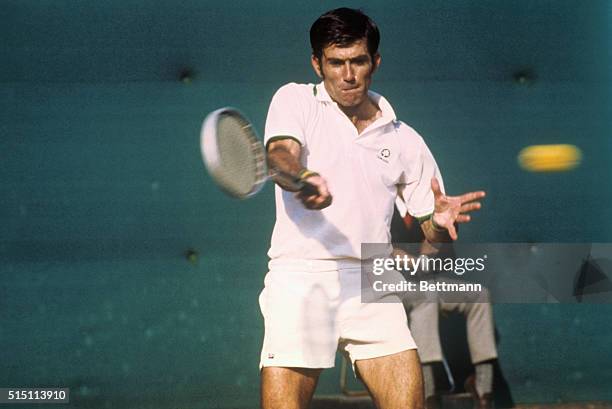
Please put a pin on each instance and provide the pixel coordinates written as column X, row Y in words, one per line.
column 309, row 189
column 295, row 182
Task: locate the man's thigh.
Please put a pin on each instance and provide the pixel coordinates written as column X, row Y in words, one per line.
column 288, row 388
column 394, row 381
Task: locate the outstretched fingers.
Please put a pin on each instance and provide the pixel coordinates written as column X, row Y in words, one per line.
column 453, row 209
column 471, row 196
column 463, row 218
column 452, row 232
column 469, row 207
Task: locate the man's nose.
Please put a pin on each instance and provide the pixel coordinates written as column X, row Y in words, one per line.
column 348, row 73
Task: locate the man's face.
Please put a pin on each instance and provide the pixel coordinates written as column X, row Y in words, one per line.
column 347, row 72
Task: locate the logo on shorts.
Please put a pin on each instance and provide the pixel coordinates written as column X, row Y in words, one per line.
column 270, row 356
column 384, row 155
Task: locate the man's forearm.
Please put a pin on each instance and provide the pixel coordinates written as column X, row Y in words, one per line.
column 281, row 158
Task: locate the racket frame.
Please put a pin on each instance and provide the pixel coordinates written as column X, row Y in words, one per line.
column 210, row 150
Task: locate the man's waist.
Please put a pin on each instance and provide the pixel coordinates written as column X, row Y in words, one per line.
column 314, row 265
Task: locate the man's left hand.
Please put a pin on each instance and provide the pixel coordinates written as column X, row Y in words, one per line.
column 451, row 209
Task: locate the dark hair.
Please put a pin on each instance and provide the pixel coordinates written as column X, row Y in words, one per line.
column 342, row 27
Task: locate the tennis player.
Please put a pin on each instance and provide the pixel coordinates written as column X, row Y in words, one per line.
column 346, row 140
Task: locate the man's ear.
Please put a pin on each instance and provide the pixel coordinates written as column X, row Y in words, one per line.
column 316, row 65
column 376, row 62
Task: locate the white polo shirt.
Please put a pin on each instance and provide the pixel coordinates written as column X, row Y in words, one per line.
column 364, row 173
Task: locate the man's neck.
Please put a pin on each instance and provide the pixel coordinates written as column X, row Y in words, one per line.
column 362, row 115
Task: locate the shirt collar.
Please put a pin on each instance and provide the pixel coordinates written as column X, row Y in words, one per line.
column 388, row 114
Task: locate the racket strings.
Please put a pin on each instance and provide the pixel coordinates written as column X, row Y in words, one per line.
column 240, row 155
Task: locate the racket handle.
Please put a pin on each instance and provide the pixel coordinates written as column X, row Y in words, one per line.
column 294, row 182
column 309, row 189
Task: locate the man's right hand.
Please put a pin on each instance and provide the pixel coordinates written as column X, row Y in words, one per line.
column 284, row 154
column 318, row 201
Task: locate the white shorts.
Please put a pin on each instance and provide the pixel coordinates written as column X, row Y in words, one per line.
column 312, row 308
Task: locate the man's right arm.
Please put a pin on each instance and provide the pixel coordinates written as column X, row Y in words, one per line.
column 284, row 155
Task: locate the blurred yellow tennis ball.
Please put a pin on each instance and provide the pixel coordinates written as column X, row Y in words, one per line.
column 549, row 158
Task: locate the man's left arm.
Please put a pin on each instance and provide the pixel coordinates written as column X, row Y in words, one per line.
column 422, row 192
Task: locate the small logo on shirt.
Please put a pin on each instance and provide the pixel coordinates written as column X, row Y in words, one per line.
column 384, row 155
column 270, row 356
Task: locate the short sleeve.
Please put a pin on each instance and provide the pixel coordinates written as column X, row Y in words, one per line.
column 286, row 115
column 415, row 190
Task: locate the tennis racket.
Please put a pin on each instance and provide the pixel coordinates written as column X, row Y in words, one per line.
column 236, row 159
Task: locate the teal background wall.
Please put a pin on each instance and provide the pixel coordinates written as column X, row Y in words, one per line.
column 103, row 192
